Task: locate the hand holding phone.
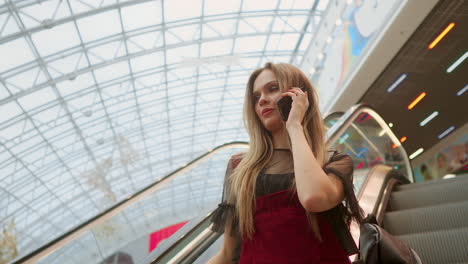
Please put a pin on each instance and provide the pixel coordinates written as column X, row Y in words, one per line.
column 285, row 104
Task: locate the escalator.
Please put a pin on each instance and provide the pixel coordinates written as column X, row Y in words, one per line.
column 432, row 218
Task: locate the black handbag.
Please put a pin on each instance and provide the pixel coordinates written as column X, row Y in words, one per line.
column 377, row 246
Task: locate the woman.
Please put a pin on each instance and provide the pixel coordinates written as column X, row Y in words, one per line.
column 282, row 200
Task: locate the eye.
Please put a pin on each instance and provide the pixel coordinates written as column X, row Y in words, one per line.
column 273, row 88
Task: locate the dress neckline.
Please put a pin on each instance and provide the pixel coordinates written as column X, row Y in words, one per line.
column 282, row 149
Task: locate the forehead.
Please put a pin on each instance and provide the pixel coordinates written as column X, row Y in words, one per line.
column 263, row 78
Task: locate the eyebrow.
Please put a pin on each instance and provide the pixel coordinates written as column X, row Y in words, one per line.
column 265, row 85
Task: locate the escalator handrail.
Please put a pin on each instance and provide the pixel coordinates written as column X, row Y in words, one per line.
column 348, row 118
column 333, row 134
column 69, row 236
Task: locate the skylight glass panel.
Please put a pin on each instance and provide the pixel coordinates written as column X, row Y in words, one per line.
column 145, row 42
column 216, row 48
column 81, row 6
column 187, row 55
column 112, row 71
column 7, row 25
column 25, row 79
column 283, row 42
column 9, row 110
column 249, row 44
column 296, row 4
column 106, row 52
column 63, row 36
column 322, row 5
column 35, row 14
column 149, row 61
column 187, row 33
column 37, row 98
column 80, row 102
column 259, row 5
column 47, row 115
column 221, row 28
column 142, row 15
column 67, row 64
column 181, row 9
column 215, row 7
column 14, row 53
column 99, row 26
column 81, row 82
column 255, row 24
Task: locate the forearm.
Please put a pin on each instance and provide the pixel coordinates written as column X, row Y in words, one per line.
column 219, row 259
column 314, row 187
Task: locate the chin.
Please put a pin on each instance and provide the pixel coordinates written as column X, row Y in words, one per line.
column 273, row 124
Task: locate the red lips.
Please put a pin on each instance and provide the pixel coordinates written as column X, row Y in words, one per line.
column 266, row 110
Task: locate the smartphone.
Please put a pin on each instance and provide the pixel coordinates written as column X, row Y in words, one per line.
column 284, row 105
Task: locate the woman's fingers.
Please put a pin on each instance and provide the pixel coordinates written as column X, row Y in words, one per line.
column 289, row 93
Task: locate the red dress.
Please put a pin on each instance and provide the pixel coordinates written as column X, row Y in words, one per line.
column 282, row 232
column 282, row 235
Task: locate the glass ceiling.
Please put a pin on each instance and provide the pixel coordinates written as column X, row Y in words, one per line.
column 100, row 98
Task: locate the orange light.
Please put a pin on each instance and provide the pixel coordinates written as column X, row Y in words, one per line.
column 441, row 35
column 403, row 139
column 419, row 98
column 394, row 146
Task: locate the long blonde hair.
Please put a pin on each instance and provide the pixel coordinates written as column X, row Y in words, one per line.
column 242, row 180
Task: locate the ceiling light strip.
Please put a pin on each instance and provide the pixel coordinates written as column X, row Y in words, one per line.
column 416, row 153
column 462, row 90
column 446, row 132
column 416, row 101
column 397, row 82
column 457, row 62
column 441, row 35
column 429, row 118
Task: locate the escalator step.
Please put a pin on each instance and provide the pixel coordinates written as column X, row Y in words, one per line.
column 427, row 219
column 458, row 179
column 430, row 195
column 446, row 246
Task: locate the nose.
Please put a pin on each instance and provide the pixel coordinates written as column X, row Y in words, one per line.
column 262, row 100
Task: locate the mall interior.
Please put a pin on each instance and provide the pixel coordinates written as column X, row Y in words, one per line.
column 118, row 119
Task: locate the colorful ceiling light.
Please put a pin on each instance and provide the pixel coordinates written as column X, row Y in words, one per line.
column 403, row 139
column 343, row 139
column 462, row 90
column 416, row 153
column 429, row 118
column 446, row 132
column 416, row 101
column 441, row 35
column 457, row 62
column 397, row 82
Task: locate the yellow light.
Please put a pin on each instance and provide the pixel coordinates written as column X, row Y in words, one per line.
column 403, row 139
column 441, row 35
column 419, row 98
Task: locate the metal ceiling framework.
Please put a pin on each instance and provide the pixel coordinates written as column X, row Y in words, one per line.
column 98, row 101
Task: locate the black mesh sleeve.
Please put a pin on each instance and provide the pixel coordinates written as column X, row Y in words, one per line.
column 340, row 217
column 225, row 213
column 342, row 166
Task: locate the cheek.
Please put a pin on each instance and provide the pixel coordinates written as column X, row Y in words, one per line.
column 257, row 109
